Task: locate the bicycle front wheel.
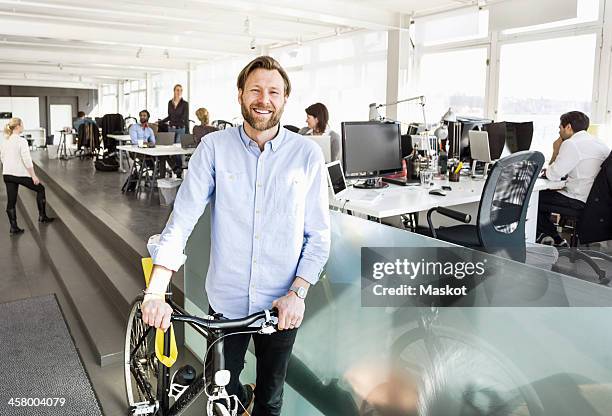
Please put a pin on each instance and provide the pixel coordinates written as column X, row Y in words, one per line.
column 140, row 363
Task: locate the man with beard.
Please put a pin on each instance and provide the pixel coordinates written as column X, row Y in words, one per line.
column 270, row 229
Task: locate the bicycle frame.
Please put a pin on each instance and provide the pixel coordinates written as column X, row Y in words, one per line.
column 214, row 333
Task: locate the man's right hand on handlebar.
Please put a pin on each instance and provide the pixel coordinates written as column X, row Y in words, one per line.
column 156, row 312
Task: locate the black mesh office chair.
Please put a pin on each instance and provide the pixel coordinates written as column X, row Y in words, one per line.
column 221, row 124
column 500, row 226
column 591, row 224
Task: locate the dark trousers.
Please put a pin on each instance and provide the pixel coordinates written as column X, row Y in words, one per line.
column 12, row 187
column 272, row 353
column 548, row 200
column 177, row 161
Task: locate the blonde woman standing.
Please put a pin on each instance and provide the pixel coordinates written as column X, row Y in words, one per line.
column 17, row 169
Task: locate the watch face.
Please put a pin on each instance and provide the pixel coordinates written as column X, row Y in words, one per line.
column 301, row 292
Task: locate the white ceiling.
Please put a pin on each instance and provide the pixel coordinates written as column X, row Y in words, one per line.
column 84, row 43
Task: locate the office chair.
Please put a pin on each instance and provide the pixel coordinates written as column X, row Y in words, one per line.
column 292, row 128
column 591, row 224
column 154, row 127
column 221, row 124
column 500, row 226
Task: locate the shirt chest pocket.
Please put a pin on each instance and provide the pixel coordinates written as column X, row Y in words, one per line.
column 232, row 190
column 290, row 194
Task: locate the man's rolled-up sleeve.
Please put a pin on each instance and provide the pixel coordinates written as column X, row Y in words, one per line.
column 566, row 160
column 317, row 234
column 191, row 200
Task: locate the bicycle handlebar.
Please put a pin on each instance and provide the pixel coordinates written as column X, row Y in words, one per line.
column 225, row 324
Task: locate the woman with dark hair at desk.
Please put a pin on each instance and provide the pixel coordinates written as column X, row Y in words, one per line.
column 317, row 118
column 178, row 122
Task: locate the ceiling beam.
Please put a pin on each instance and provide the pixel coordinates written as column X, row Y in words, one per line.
column 366, row 15
column 76, row 71
column 175, row 20
column 36, row 54
column 13, row 26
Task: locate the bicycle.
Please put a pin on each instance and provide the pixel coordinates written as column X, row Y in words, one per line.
column 149, row 387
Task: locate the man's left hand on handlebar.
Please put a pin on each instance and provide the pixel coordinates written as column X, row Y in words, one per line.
column 290, row 311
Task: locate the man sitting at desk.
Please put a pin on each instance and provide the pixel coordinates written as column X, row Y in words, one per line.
column 82, row 119
column 142, row 131
column 577, row 155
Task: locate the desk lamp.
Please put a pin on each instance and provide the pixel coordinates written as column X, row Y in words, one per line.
column 375, row 115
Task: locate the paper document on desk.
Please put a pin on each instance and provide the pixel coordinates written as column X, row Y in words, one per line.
column 361, row 195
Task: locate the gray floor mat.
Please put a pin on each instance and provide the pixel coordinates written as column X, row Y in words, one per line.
column 39, row 362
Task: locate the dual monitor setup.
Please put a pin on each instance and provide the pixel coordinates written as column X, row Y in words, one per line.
column 371, row 149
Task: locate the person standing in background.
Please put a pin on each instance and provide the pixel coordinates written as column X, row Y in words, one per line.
column 317, row 119
column 178, row 122
column 18, row 169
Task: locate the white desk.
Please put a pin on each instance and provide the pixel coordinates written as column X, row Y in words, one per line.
column 157, row 151
column 153, row 153
column 121, row 138
column 398, row 200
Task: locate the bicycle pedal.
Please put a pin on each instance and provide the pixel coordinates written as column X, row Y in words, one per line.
column 143, row 408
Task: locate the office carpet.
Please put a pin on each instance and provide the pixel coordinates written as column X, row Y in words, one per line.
column 41, row 372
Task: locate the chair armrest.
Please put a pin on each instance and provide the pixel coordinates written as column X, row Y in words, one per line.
column 447, row 212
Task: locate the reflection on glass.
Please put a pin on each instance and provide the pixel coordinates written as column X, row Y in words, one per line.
column 354, row 360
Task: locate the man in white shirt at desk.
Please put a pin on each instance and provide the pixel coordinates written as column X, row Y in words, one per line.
column 142, row 131
column 577, row 155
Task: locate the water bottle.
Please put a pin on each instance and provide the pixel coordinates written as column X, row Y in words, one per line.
column 185, row 375
column 443, row 162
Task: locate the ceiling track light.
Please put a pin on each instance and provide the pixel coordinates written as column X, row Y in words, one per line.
column 247, row 26
column 253, row 44
column 139, row 52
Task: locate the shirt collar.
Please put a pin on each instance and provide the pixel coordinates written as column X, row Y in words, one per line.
column 275, row 143
column 580, row 134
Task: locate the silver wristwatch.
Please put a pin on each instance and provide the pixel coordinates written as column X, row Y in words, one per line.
column 300, row 291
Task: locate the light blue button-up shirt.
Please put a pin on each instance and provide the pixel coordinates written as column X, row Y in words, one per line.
column 269, row 217
column 137, row 132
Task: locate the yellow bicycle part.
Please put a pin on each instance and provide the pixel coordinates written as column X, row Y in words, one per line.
column 147, row 268
column 168, row 361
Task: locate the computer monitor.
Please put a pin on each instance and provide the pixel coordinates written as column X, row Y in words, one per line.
column 523, row 136
column 370, row 149
column 497, row 138
column 467, row 124
column 406, row 141
column 509, row 137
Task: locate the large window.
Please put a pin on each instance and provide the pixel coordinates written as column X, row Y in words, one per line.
column 455, row 79
column 134, row 97
column 215, row 89
column 345, row 74
column 108, row 101
column 540, row 80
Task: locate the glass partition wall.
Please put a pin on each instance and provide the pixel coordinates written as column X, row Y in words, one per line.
column 549, row 356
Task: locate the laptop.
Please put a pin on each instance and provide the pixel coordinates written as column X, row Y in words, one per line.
column 164, row 138
column 188, row 141
column 337, row 182
column 324, row 143
column 479, row 146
